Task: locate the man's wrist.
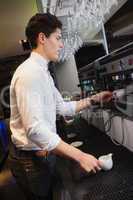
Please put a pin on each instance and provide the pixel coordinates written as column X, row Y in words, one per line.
column 95, row 99
column 90, row 101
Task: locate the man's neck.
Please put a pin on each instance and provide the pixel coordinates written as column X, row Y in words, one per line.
column 40, row 52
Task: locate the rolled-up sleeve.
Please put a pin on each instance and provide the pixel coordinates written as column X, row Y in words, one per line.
column 30, row 104
column 64, row 108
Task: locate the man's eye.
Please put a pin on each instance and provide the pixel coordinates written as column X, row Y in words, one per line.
column 58, row 38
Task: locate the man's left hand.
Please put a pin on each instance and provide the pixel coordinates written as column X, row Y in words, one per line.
column 104, row 96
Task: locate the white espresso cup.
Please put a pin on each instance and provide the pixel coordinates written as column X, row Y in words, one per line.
column 106, row 161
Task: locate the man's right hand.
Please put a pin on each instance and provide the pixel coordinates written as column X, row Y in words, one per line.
column 89, row 163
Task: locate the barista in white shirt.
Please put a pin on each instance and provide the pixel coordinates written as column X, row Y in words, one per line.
column 35, row 101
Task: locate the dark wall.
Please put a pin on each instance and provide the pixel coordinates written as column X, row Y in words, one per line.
column 88, row 53
column 7, row 69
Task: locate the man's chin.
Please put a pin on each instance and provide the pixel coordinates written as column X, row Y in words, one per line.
column 55, row 59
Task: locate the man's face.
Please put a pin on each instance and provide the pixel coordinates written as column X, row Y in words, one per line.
column 52, row 45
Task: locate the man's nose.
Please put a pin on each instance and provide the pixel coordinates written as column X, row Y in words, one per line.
column 61, row 45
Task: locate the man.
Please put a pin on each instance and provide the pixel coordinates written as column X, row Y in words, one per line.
column 34, row 104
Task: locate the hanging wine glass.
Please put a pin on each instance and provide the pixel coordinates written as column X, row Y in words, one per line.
column 87, row 18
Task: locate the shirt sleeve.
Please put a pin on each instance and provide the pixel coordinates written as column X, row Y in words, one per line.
column 64, row 108
column 30, row 104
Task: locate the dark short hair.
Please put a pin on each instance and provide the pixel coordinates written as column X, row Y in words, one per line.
column 41, row 22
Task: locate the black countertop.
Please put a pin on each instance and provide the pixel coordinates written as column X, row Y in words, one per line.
column 116, row 184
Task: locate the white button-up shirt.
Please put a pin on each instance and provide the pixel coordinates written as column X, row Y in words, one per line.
column 35, row 101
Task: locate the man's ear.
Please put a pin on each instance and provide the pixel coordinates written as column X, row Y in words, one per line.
column 41, row 38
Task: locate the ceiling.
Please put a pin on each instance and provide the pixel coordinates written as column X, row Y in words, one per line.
column 14, row 16
column 63, row 7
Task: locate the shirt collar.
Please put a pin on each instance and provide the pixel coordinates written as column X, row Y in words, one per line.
column 40, row 60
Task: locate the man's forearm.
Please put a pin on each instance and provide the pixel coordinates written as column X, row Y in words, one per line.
column 66, row 150
column 82, row 104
